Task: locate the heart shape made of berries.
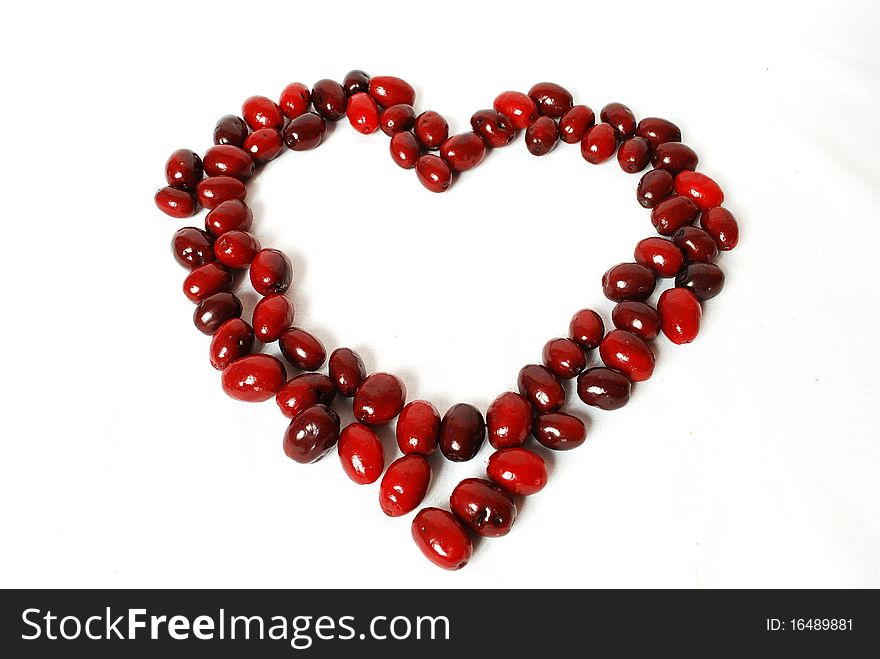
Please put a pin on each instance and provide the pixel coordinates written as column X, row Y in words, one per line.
column 677, row 195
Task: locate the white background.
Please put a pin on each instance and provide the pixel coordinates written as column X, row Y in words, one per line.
column 751, row 458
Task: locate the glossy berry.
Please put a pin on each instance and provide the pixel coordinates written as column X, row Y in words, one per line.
column 311, row 434
column 302, row 349
column 575, row 123
column 233, row 340
column 701, row 189
column 329, row 99
column 658, row 131
column 175, row 203
column 212, row 192
column 228, row 160
column 253, row 378
column 206, row 280
column 184, row 169
column 552, row 100
column 655, row 186
column 236, row 249
column 659, row 255
column 379, row 398
column 431, row 129
column 559, row 431
column 303, row 391
column 305, row 132
column 628, row 281
column 442, row 538
column 672, row 214
column 232, row 215
column 462, row 431
column 599, row 143
column 396, row 119
column 634, row 155
column 404, row 485
column 295, row 100
column 638, row 318
column 230, row 130
column 483, row 507
column 346, row 371
column 541, row 388
column 621, row 118
column 261, row 112
column 270, row 272
column 389, row 90
column 418, row 428
column 704, row 280
column 355, row 82
column 463, row 151
column 272, row 315
column 215, row 310
column 263, row 145
column 586, row 329
column 627, row 353
column 721, row 225
column 603, row 388
column 361, row 453
column 363, row 113
column 405, row 150
column 509, row 420
column 517, row 107
column 541, row 136
column 680, row 314
column 696, row 245
column 517, row 471
column 494, row 128
column 434, row 173
column 564, row 357
column 674, row 157
column 192, row 247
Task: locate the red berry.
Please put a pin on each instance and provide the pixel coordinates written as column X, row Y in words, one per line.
column 405, row 149
column 559, row 431
column 434, row 173
column 660, row 256
column 302, row 349
column 627, row 353
column 586, row 329
column 215, row 190
column 431, row 129
column 232, row 341
column 329, row 99
column 564, row 357
column 231, row 215
column 599, row 143
column 363, row 113
column 230, row 130
column 346, row 371
column 361, row 454
column 462, row 431
column 175, row 203
column 295, row 100
column 702, row 190
column 541, row 388
column 253, row 378
column 672, row 214
column 655, row 186
column 270, row 272
column 674, row 157
column 483, row 507
column 388, row 91
column 604, row 388
column 518, row 471
column 541, row 136
column 192, row 247
column 236, row 249
column 404, row 485
column 418, row 428
column 442, row 538
column 680, row 314
column 517, row 107
column 228, row 160
column 184, row 169
column 634, row 155
column 628, row 281
column 379, row 398
column 637, row 317
column 575, row 123
column 696, row 245
column 263, row 145
column 303, row 391
column 311, row 434
column 704, row 280
column 272, row 315
column 621, row 118
column 396, row 119
column 463, row 151
column 261, row 112
column 494, row 128
column 509, row 420
column 215, row 310
column 206, row 280
column 305, row 132
column 551, row 99
column 721, row 225
column 658, row 131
